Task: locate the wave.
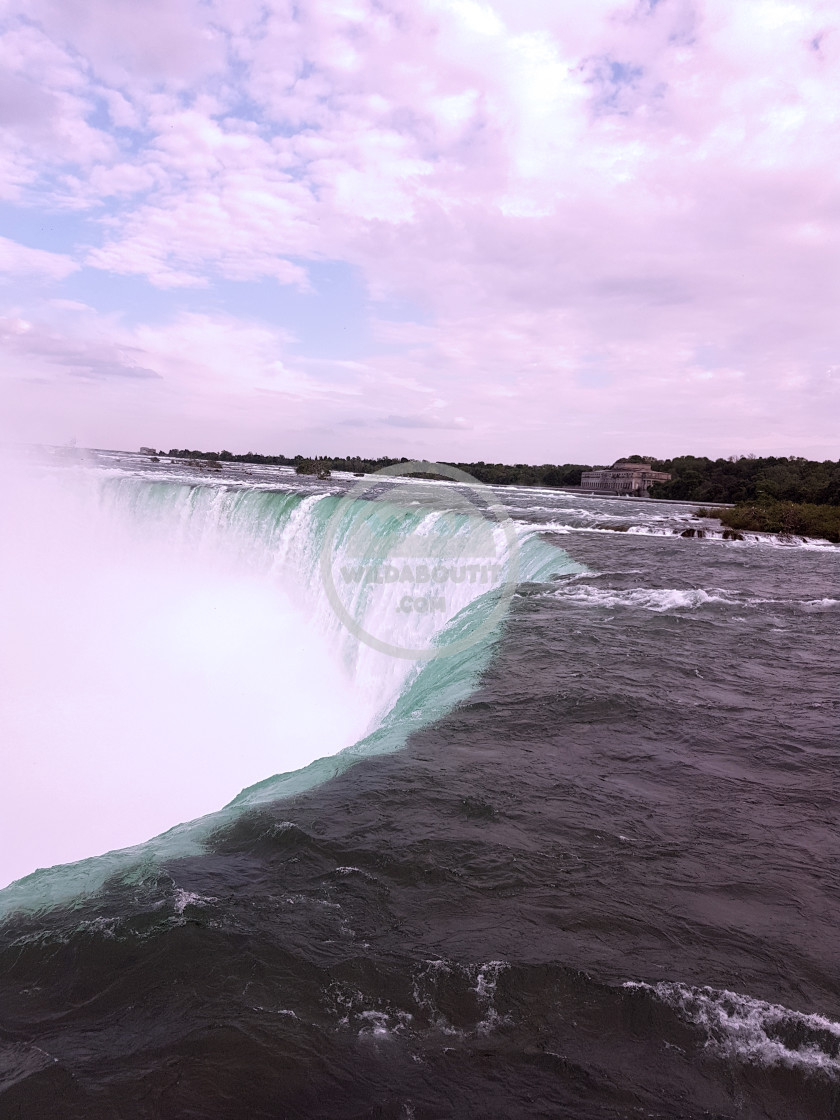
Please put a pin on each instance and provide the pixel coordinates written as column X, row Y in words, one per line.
column 174, row 636
column 735, row 538
column 650, row 599
column 734, row 1027
column 751, row 1030
column 661, row 600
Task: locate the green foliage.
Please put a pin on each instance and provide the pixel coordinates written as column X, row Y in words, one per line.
column 693, row 478
column 499, row 474
column 315, row 467
column 746, row 479
column 790, row 518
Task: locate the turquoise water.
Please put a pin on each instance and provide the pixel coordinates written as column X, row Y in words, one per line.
column 278, row 538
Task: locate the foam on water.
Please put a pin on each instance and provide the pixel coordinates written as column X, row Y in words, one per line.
column 751, row 1030
column 702, row 532
column 665, row 599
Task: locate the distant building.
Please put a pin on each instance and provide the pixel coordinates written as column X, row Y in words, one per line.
column 623, row 478
column 148, row 451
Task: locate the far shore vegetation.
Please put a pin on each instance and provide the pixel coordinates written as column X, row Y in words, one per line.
column 740, row 478
column 772, row 494
column 499, row 474
column 786, row 518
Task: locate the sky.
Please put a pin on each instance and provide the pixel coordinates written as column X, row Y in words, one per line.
column 519, row 230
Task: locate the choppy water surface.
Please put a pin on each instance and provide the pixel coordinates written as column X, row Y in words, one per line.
column 599, row 880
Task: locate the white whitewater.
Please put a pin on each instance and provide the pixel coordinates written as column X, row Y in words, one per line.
column 168, row 645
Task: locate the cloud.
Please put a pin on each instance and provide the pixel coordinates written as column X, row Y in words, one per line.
column 454, row 423
column 36, row 343
column 612, row 217
column 20, row 260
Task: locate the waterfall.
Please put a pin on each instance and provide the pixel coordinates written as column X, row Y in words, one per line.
column 174, row 658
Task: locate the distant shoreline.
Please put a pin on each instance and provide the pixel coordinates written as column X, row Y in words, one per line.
column 695, row 481
column 579, row 491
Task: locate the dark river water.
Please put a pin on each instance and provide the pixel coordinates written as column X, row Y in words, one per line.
column 603, row 884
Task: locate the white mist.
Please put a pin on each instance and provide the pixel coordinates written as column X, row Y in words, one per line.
column 145, row 682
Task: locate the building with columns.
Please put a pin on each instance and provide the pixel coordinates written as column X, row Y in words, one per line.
column 633, row 479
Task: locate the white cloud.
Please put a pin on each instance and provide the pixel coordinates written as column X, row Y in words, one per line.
column 20, row 260
column 577, row 197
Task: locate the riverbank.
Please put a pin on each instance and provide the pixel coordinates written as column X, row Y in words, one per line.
column 785, row 518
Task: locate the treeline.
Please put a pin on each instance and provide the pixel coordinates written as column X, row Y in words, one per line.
column 281, row 460
column 747, row 478
column 524, row 474
column 499, row 474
